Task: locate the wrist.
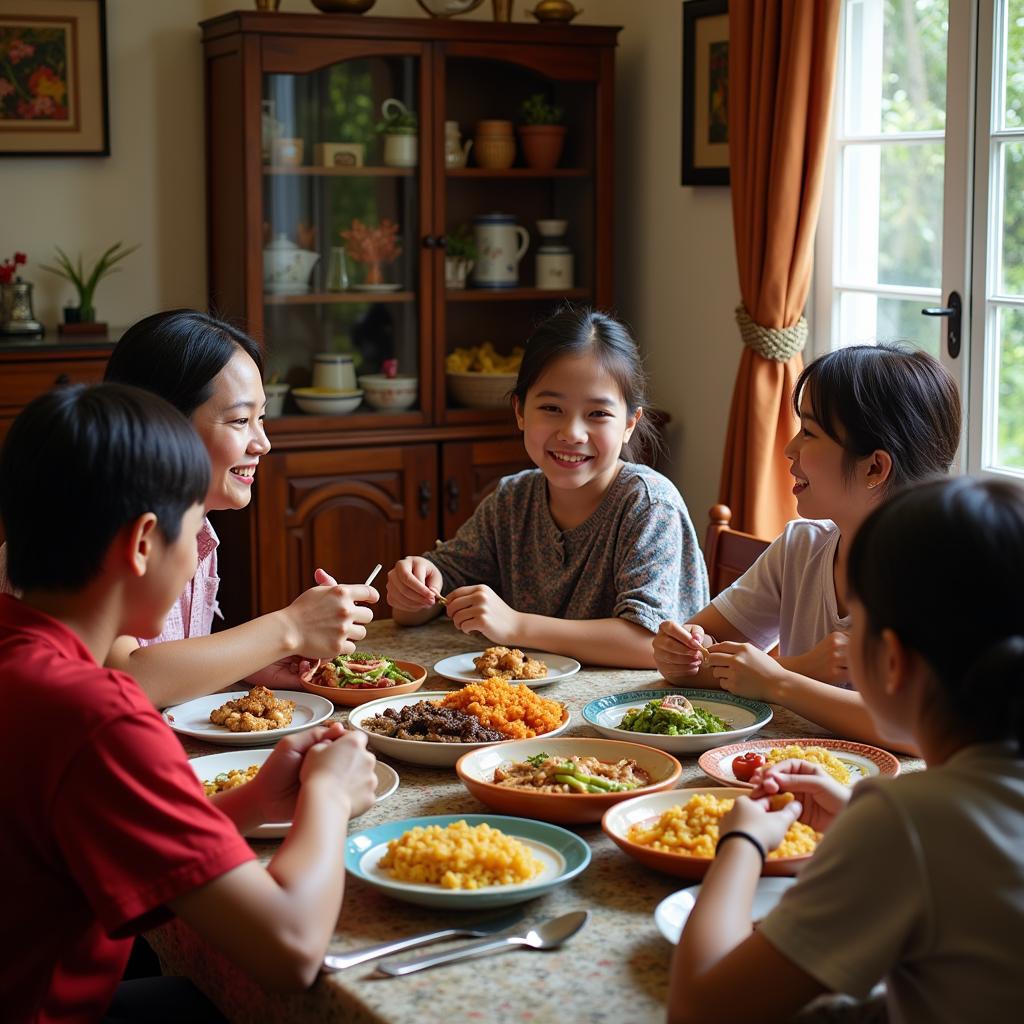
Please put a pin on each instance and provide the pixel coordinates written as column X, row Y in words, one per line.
column 739, row 838
column 287, row 631
column 326, row 791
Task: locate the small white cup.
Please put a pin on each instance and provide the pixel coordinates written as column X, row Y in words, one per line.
column 276, row 394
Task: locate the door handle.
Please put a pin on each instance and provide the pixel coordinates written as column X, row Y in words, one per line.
column 424, row 494
column 452, row 488
column 953, row 312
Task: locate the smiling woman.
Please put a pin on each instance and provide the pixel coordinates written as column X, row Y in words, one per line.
column 212, row 372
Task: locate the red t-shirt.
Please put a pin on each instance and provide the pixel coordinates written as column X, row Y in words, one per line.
column 103, row 822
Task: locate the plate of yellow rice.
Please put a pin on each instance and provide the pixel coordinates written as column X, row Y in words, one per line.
column 676, row 832
column 466, row 861
column 845, row 760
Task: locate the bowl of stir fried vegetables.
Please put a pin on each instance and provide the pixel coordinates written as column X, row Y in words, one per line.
column 570, row 780
column 353, row 679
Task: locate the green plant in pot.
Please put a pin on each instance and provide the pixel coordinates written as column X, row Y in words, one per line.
column 459, row 256
column 399, row 127
column 541, row 132
column 85, row 281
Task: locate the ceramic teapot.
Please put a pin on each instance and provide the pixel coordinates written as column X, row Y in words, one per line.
column 286, row 267
column 500, row 244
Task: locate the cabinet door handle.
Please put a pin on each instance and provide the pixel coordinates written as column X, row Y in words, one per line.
column 451, row 486
column 425, row 494
column 429, row 242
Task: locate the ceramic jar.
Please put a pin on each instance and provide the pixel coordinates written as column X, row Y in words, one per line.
column 334, row 371
column 401, row 148
column 456, row 152
column 554, row 262
column 286, row 267
column 500, row 245
column 495, row 145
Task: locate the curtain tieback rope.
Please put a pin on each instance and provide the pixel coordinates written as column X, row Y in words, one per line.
column 775, row 343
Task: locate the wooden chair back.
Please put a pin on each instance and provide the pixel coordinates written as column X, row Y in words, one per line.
column 729, row 553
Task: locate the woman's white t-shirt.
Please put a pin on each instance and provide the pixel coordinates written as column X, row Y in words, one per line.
column 788, row 596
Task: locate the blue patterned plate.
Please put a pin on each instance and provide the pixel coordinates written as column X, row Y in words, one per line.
column 743, row 717
column 563, row 854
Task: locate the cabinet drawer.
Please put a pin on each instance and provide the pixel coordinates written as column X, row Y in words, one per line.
column 21, row 382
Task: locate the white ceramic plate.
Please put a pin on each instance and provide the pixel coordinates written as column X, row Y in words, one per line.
column 563, row 854
column 743, row 717
column 193, row 718
column 212, row 765
column 460, row 668
column 860, row 759
column 420, row 751
column 671, row 913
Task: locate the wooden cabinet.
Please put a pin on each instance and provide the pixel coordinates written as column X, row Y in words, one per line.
column 294, row 160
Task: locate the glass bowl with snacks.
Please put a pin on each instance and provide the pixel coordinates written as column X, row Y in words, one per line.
column 569, row 780
column 353, row 679
column 677, row 832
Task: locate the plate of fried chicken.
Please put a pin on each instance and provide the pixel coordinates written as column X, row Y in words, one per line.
column 252, row 719
column 534, row 668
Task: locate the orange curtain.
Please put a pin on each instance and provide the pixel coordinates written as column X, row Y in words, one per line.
column 782, row 64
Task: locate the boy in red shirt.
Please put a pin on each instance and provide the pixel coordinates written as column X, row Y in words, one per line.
column 107, row 831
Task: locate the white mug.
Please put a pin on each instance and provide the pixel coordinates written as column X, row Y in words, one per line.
column 498, row 254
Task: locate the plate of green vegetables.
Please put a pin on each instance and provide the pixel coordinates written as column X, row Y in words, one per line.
column 353, row 679
column 680, row 722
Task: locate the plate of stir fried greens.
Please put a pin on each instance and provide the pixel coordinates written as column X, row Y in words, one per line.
column 352, row 679
column 678, row 723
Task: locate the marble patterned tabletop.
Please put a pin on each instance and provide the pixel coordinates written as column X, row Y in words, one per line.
column 614, row 971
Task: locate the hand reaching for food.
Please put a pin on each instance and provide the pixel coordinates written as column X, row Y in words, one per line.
column 414, row 584
column 820, row 795
column 758, row 817
column 478, row 609
column 679, row 650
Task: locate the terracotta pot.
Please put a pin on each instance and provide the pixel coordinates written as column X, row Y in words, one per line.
column 542, row 145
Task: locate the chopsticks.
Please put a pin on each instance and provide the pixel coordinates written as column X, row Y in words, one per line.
column 373, row 575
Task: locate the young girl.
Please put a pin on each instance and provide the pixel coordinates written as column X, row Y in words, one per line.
column 872, row 418
column 587, row 553
column 212, row 373
column 921, row 878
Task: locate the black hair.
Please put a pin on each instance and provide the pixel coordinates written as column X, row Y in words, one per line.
column 885, row 397
column 80, row 463
column 576, row 331
column 176, row 355
column 952, row 551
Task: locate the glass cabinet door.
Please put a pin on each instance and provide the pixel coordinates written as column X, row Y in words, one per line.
column 341, row 158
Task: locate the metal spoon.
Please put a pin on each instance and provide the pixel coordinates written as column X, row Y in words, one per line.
column 549, row 935
column 339, row 961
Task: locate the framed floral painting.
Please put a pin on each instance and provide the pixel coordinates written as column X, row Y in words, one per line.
column 706, row 92
column 53, row 78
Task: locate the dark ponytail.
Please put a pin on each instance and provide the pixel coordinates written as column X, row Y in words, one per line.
column 951, row 553
column 577, row 331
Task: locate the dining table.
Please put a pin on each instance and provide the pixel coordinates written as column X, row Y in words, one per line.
column 614, row 971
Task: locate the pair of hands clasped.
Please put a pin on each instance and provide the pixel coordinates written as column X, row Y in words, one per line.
column 818, row 799
column 415, row 583
column 326, row 752
column 742, row 668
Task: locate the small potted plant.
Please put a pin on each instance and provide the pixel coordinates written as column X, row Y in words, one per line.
column 85, row 281
column 459, row 257
column 399, row 128
column 541, row 133
column 373, row 246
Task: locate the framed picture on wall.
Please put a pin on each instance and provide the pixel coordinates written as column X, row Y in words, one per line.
column 53, row 78
column 705, row 92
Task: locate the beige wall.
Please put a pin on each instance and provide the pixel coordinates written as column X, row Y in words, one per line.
column 676, row 280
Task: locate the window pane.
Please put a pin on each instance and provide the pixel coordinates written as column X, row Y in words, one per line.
column 895, row 65
column 865, row 319
column 901, row 244
column 1013, row 73
column 1010, row 331
column 1011, row 248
